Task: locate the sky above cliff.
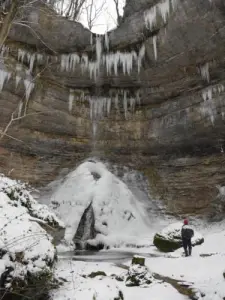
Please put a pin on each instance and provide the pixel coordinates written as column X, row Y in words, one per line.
column 107, row 19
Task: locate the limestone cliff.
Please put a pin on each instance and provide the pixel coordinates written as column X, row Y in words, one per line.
column 149, row 94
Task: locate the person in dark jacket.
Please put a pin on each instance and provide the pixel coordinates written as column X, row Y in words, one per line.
column 186, row 234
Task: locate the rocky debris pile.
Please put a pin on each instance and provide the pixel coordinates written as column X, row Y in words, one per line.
column 169, row 239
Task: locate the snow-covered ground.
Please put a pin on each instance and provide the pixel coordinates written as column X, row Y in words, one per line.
column 203, row 271
column 105, row 287
column 122, row 220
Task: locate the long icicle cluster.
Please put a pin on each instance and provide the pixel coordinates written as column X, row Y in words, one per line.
column 162, row 9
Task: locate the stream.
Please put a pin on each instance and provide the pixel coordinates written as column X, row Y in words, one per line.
column 111, row 256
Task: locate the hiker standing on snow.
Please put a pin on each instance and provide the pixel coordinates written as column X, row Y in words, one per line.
column 187, row 233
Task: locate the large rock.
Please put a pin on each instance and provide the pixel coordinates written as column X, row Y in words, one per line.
column 27, row 254
column 176, row 136
column 20, row 195
column 169, row 239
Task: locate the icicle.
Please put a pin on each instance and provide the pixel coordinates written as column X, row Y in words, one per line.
column 19, row 67
column 65, row 62
column 140, row 57
column 94, row 128
column 21, row 55
column 4, row 51
column 98, row 49
column 74, row 59
column 93, row 69
column 18, row 79
column 208, row 107
column 29, row 86
column 150, row 18
column 32, row 60
column 84, row 62
column 91, row 107
column 3, row 78
column 138, row 98
column 20, row 107
column 154, row 39
column 125, row 103
column 164, row 9
column 132, row 104
column 39, row 58
column 108, row 105
column 28, row 57
column 71, row 100
column 106, row 41
column 91, row 39
column 9, row 75
column 116, row 100
column 174, row 4
column 204, row 70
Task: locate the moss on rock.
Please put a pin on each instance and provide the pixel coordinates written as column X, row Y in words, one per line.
column 166, row 245
column 98, row 273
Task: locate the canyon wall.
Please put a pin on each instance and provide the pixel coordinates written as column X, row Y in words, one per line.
column 149, row 95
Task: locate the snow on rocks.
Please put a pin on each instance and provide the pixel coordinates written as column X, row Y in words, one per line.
column 27, row 253
column 169, row 239
column 114, row 206
column 20, row 195
column 26, row 250
column 77, row 285
column 138, row 274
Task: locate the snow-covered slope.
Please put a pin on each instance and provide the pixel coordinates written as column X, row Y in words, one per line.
column 119, row 216
column 26, row 249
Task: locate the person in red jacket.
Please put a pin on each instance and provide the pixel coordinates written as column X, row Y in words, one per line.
column 186, row 234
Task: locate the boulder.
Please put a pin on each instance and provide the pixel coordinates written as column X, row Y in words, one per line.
column 27, row 254
column 169, row 239
column 19, row 194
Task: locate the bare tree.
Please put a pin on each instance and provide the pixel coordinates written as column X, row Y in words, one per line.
column 8, row 10
column 119, row 17
column 75, row 8
column 93, row 11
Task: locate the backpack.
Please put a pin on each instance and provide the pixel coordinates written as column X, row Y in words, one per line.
column 187, row 232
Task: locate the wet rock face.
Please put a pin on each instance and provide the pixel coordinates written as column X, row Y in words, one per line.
column 175, row 136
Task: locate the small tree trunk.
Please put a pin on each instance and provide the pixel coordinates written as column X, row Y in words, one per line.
column 7, row 22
